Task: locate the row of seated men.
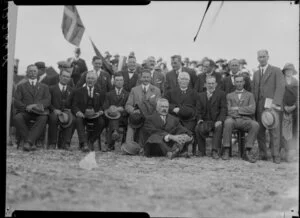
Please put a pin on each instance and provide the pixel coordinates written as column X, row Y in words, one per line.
column 96, row 102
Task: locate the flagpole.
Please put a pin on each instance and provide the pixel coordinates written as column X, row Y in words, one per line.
column 12, row 21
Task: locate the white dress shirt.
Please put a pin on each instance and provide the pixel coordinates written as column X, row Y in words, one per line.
column 147, row 86
column 62, row 87
column 92, row 91
column 34, row 81
column 264, row 68
column 118, row 91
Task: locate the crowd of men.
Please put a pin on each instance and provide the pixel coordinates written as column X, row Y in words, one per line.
column 161, row 113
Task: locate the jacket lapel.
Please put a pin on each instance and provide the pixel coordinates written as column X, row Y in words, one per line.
column 266, row 75
column 174, row 78
column 214, row 97
column 29, row 88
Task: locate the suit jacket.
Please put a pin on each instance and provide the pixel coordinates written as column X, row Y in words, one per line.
column 177, row 99
column 111, row 98
column 158, row 80
column 171, row 78
column 80, row 100
column 103, row 81
column 129, row 83
column 271, row 85
column 246, row 105
column 218, row 106
column 147, row 105
column 56, row 96
column 201, row 80
column 25, row 95
column 155, row 126
column 79, row 67
column 227, row 86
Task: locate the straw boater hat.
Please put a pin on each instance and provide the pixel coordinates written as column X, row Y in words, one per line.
column 131, row 148
column 65, row 118
column 270, row 119
column 289, row 66
column 91, row 114
column 112, row 113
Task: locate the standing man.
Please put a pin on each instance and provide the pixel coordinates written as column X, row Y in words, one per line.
column 211, row 113
column 207, row 71
column 130, row 74
column 268, row 90
column 78, row 64
column 172, row 76
column 88, row 108
column 142, row 100
column 228, row 85
column 31, row 101
column 114, row 107
column 241, row 110
column 60, row 103
column 103, row 79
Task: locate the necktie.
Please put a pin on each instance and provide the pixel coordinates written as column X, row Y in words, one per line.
column 163, row 119
column 32, row 84
column 183, row 91
column 144, row 90
column 261, row 72
column 90, row 92
column 209, row 94
column 64, row 89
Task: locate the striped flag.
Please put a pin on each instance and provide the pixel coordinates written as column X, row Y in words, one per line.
column 72, row 26
column 106, row 65
column 122, row 63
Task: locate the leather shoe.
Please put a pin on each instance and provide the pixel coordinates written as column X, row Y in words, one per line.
column 33, row 147
column 173, row 154
column 215, row 155
column 263, row 156
column 184, row 154
column 51, row 146
column 248, row 157
column 276, row 160
column 66, row 146
column 26, row 147
column 199, row 154
column 225, row 155
column 85, row 148
column 115, row 135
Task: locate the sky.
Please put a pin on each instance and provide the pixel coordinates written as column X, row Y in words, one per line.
column 163, row 29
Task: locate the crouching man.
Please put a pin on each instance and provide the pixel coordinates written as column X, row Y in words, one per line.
column 241, row 110
column 164, row 134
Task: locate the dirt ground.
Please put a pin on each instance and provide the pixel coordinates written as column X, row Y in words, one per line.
column 192, row 187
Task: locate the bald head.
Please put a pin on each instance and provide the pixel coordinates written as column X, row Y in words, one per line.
column 183, row 80
column 91, row 78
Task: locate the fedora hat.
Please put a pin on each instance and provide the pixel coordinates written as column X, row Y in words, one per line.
column 289, row 66
column 186, row 112
column 136, row 120
column 242, row 61
column 270, row 119
column 39, row 109
column 131, row 148
column 65, row 118
column 112, row 113
column 91, row 114
column 40, row 65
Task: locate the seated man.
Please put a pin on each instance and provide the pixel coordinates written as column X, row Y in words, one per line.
column 30, row 96
column 142, row 100
column 114, row 106
column 88, row 108
column 60, row 101
column 164, row 134
column 241, row 109
column 211, row 113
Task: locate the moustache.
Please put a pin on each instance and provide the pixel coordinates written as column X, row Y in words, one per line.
column 164, row 110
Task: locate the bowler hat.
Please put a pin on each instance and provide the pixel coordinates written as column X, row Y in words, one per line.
column 91, row 114
column 112, row 113
column 186, row 112
column 270, row 119
column 39, row 109
column 136, row 120
column 131, row 147
column 65, row 118
column 40, row 65
column 289, row 66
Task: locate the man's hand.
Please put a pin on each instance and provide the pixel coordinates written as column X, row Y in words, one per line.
column 176, row 110
column 234, row 108
column 200, row 121
column 274, row 106
column 218, row 123
column 289, row 108
column 120, row 109
column 137, row 111
column 29, row 107
column 101, row 112
column 57, row 111
column 79, row 114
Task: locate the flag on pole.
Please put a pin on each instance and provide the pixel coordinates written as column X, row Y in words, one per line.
column 122, row 63
column 72, row 26
column 106, row 65
column 207, row 7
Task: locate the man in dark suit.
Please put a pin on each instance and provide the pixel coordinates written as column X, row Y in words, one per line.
column 60, row 100
column 164, row 134
column 78, row 64
column 28, row 96
column 211, row 113
column 103, row 78
column 116, row 98
column 208, row 66
column 172, row 76
column 241, row 110
column 130, row 74
column 87, row 101
column 228, row 85
column 268, row 90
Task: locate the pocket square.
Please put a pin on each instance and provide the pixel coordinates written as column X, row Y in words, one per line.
column 152, row 96
column 158, row 81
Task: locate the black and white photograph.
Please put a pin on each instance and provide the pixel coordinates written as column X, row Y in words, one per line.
column 175, row 109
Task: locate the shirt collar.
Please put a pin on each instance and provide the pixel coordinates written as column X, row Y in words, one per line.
column 208, row 92
column 183, row 89
column 131, row 71
column 264, row 68
column 61, row 86
column 147, row 86
column 118, row 89
column 237, row 91
column 88, row 88
column 34, row 81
